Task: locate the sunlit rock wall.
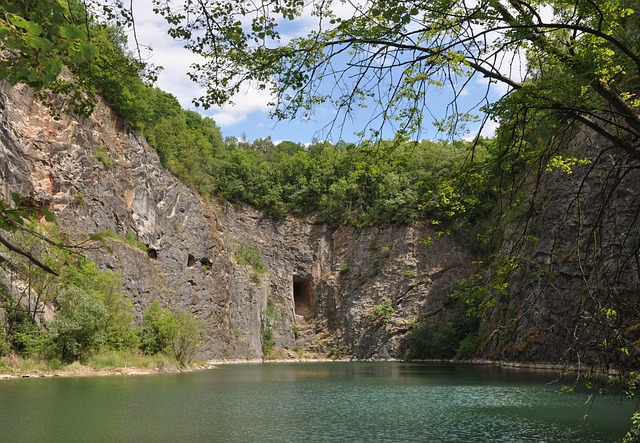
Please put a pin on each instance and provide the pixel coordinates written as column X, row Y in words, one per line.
column 316, row 291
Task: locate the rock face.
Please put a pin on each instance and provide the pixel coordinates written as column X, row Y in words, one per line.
column 290, row 288
column 381, row 281
column 253, row 280
column 576, row 295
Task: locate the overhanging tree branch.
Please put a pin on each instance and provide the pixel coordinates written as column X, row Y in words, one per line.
column 28, row 255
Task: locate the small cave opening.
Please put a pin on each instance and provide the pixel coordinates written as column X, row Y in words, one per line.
column 152, row 253
column 191, row 260
column 206, row 263
column 303, row 297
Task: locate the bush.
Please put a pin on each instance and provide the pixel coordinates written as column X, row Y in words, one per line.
column 187, row 338
column 119, row 326
column 28, row 339
column 457, row 339
column 381, row 313
column 178, row 334
column 79, row 325
column 268, row 342
column 158, row 329
column 468, row 347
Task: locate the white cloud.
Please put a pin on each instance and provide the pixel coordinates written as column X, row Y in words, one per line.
column 490, row 128
column 249, row 113
column 245, row 103
column 151, row 31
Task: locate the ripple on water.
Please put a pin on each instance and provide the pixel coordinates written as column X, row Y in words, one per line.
column 324, row 402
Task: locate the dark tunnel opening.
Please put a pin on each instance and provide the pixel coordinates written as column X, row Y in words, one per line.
column 303, row 296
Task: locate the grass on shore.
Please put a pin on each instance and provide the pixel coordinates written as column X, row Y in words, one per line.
column 13, row 364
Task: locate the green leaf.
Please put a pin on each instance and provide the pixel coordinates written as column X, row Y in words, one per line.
column 71, row 32
column 55, row 67
column 39, row 43
column 29, row 26
column 48, row 215
column 88, row 51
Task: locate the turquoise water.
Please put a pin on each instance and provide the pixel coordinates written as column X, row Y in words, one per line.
column 310, row 402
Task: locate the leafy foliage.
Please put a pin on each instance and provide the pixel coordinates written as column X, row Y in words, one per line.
column 119, row 326
column 338, row 184
column 250, row 256
column 188, row 337
column 360, row 185
column 78, row 327
column 91, row 312
column 390, row 56
column 380, row 314
column 27, row 339
column 633, row 436
column 171, row 333
column 42, row 256
column 480, row 292
column 41, row 37
column 457, row 339
column 158, row 329
column 270, row 321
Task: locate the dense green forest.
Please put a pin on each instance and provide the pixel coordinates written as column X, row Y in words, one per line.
column 365, row 184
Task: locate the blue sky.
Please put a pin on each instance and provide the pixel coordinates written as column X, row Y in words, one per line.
column 249, row 115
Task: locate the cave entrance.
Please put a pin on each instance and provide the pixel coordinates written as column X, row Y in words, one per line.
column 303, row 297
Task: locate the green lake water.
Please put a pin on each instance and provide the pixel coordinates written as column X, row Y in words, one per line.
column 310, row 402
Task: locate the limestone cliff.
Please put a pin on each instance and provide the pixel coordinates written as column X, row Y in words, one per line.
column 311, row 288
column 575, row 296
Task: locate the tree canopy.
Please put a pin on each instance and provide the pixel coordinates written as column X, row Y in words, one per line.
column 391, row 56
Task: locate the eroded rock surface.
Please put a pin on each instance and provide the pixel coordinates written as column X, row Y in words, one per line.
column 344, row 292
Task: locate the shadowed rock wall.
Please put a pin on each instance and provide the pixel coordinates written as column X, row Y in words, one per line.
column 575, row 296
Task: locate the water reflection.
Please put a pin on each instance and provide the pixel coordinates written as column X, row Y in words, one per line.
column 310, row 402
